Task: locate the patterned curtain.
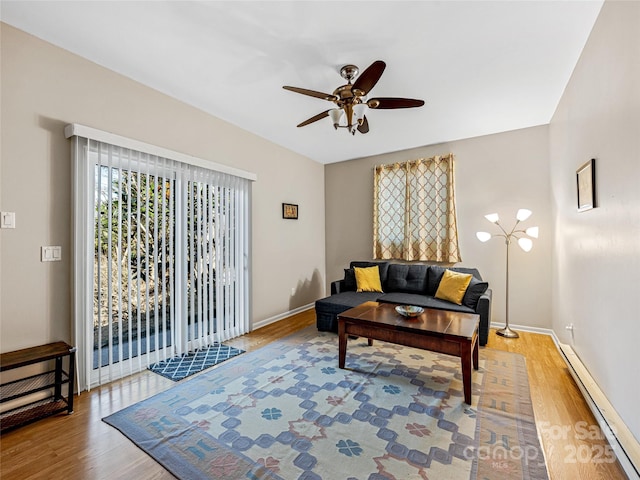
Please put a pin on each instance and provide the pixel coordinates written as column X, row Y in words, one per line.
column 414, row 213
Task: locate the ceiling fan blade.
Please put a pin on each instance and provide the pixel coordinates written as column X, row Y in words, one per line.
column 390, row 102
column 364, row 128
column 367, row 79
column 315, row 118
column 311, row 93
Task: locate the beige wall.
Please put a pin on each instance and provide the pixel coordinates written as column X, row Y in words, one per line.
column 43, row 89
column 495, row 173
column 596, row 268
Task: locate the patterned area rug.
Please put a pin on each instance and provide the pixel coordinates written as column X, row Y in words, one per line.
column 193, row 362
column 286, row 411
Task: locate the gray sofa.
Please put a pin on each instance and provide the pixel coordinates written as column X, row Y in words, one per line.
column 405, row 284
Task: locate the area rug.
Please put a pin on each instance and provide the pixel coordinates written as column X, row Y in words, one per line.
column 191, row 363
column 286, row 411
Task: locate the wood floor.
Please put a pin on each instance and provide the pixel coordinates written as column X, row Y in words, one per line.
column 81, row 446
column 574, row 446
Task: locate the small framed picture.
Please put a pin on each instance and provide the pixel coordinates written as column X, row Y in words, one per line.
column 290, row 211
column 586, row 181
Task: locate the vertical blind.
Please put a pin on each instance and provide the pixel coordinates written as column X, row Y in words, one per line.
column 414, row 214
column 161, row 263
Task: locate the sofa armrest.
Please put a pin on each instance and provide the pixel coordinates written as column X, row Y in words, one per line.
column 484, row 310
column 337, row 286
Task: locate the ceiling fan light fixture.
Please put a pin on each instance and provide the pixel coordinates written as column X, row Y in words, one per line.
column 358, row 111
column 351, row 99
column 336, row 115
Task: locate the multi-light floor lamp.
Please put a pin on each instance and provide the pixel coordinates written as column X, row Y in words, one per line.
column 525, row 243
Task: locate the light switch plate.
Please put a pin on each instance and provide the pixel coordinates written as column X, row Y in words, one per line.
column 51, row 254
column 7, row 220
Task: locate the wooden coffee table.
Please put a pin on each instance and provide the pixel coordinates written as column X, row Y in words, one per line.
column 442, row 331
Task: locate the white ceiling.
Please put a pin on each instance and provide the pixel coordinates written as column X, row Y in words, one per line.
column 482, row 67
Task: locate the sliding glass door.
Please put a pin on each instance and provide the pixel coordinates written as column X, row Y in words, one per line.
column 166, row 258
column 134, row 262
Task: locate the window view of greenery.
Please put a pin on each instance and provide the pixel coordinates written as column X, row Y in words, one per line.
column 144, row 225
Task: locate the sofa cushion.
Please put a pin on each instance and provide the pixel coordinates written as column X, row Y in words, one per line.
column 433, row 279
column 474, row 291
column 422, row 301
column 368, row 279
column 327, row 309
column 453, row 286
column 340, row 302
column 436, row 272
column 350, row 279
column 383, row 267
column 407, row 278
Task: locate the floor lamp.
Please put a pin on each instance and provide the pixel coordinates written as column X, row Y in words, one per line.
column 525, row 243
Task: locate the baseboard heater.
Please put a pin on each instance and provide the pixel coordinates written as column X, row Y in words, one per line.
column 623, row 442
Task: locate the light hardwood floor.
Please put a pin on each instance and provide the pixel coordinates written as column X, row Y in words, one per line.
column 81, row 446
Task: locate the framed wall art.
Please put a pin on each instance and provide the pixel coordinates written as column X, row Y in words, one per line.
column 586, row 181
column 290, row 211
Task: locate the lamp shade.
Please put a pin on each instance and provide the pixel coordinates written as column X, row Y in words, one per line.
column 523, row 214
column 336, row 115
column 358, row 110
column 532, row 232
column 492, row 217
column 526, row 244
column 483, row 236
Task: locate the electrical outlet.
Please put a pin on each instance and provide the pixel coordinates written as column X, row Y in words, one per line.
column 293, row 291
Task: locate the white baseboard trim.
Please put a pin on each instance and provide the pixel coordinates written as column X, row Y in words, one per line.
column 281, row 316
column 623, row 442
column 524, row 328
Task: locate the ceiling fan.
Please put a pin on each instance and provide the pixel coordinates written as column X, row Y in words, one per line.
column 351, row 99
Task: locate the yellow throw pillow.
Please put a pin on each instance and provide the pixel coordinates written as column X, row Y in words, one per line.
column 368, row 279
column 453, row 286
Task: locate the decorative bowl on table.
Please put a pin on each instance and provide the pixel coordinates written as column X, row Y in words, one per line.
column 409, row 310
